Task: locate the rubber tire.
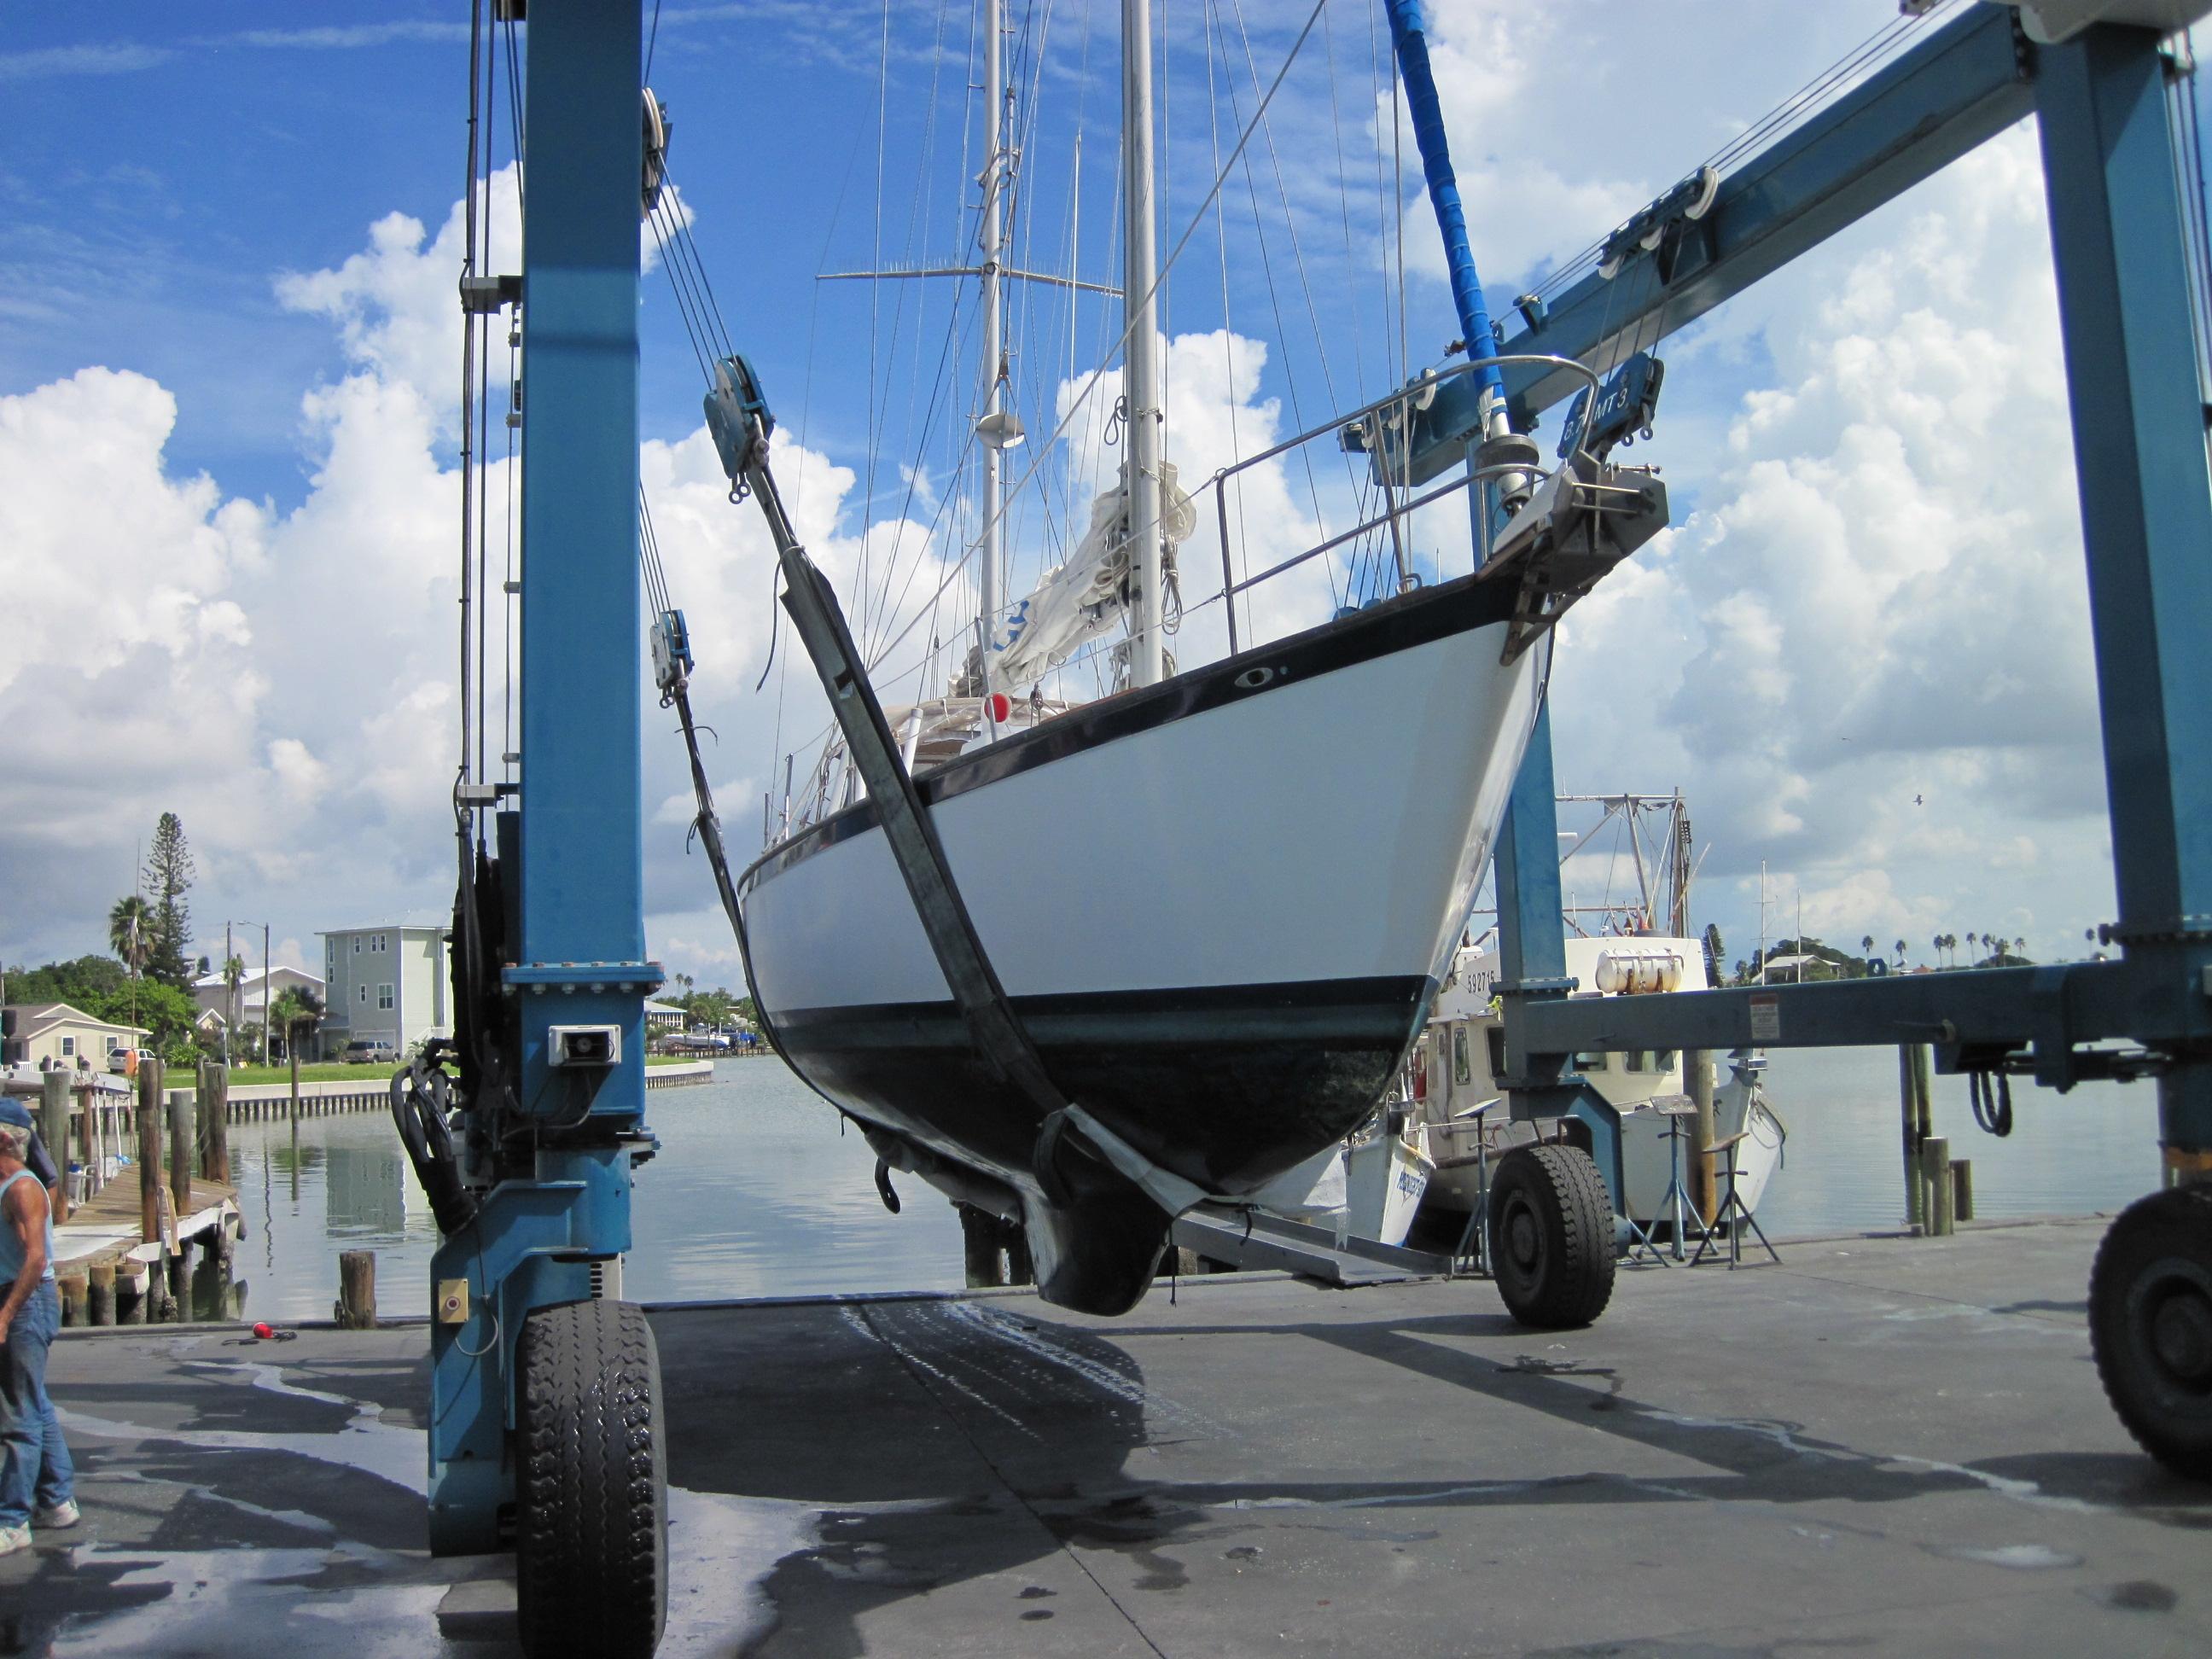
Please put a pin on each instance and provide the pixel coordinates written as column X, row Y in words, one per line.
column 1551, row 1235
column 591, row 1484
column 2160, row 1246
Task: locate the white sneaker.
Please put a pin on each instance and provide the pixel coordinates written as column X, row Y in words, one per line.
column 62, row 1515
column 13, row 1538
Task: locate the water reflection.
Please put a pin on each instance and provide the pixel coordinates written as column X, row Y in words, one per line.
column 755, row 1192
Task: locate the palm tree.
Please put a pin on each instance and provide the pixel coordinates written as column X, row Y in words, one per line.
column 1900, row 953
column 1866, row 945
column 130, row 932
column 234, row 976
column 296, row 1007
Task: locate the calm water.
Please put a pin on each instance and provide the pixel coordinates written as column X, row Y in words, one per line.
column 756, row 1192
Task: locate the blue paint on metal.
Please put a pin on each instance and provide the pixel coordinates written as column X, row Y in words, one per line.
column 2139, row 421
column 572, row 856
column 2118, row 241
column 523, row 1250
column 1532, row 949
column 1409, row 36
column 1961, row 86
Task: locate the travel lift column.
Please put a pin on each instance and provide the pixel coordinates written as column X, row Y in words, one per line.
column 523, row 1441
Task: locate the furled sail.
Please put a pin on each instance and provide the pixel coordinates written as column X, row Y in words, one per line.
column 1088, row 595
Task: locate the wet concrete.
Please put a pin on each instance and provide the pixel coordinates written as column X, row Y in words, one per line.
column 1881, row 1446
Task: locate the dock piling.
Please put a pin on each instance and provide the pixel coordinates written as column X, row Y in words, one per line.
column 357, row 1303
column 215, row 1129
column 53, row 1129
column 1962, row 1188
column 1936, row 1164
column 181, row 1152
column 100, row 1292
column 149, row 1151
column 1915, row 1084
column 77, row 1292
column 1698, row 1082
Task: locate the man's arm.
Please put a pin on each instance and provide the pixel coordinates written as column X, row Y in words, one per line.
column 23, row 1207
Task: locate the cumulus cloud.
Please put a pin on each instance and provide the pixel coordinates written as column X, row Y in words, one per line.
column 1865, row 651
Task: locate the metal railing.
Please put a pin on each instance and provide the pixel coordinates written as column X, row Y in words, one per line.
column 1404, row 400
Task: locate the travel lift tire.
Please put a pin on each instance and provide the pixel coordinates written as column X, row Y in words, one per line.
column 591, row 1484
column 1551, row 1235
column 2150, row 1325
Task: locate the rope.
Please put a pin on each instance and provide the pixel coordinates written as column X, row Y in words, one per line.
column 1991, row 1094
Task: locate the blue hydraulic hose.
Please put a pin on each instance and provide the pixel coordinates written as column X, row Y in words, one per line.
column 1409, row 36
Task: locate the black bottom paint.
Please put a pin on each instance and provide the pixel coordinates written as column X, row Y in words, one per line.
column 1226, row 1086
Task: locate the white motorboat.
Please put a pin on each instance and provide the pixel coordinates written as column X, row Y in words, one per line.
column 1462, row 1053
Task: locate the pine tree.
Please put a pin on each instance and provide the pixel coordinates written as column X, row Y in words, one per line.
column 168, row 877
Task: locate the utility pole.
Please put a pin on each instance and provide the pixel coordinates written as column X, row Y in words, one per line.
column 229, row 995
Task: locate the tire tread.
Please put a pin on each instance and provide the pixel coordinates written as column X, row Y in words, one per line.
column 1580, row 1282
column 590, row 1542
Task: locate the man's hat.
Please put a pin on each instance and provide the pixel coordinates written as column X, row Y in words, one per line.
column 13, row 1110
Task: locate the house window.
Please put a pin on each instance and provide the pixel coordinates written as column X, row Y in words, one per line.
column 364, row 991
column 113, row 1043
column 68, row 1046
column 356, row 945
column 384, row 996
column 379, row 945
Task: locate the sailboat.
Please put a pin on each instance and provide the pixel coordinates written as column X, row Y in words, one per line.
column 1220, row 899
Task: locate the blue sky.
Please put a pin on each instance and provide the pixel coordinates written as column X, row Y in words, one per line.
column 1834, row 628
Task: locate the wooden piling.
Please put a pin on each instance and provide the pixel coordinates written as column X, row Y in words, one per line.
column 131, row 1294
column 215, row 1129
column 100, row 1292
column 149, row 1150
column 357, row 1303
column 1962, row 1188
column 180, row 1154
column 1916, row 1089
column 1936, row 1160
column 77, row 1293
column 1697, row 1083
column 53, row 1129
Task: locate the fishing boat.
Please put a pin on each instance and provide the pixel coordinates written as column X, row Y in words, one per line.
column 1220, row 897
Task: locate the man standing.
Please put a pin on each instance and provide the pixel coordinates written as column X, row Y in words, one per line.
column 34, row 1463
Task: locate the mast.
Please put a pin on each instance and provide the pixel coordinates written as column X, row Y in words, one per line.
column 994, row 331
column 1140, row 360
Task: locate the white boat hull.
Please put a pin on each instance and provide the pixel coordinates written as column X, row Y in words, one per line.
column 1220, row 905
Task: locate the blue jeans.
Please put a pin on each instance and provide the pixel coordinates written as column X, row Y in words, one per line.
column 34, row 1463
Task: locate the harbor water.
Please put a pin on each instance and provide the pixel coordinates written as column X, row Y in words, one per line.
column 755, row 1192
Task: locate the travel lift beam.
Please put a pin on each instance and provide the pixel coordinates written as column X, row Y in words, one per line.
column 2096, row 83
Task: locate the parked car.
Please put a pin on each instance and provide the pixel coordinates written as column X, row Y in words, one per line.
column 125, row 1062
column 370, row 1051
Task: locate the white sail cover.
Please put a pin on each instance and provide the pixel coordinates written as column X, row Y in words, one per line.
column 1085, row 597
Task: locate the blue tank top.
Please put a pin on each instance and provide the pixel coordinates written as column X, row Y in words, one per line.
column 11, row 1246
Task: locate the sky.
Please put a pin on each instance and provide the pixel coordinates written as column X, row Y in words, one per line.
column 229, row 486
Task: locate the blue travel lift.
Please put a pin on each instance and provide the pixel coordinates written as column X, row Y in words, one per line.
column 546, row 1434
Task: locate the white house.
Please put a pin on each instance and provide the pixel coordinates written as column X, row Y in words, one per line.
column 254, row 991
column 386, row 985
column 67, row 1037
